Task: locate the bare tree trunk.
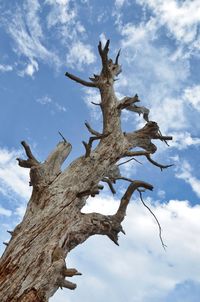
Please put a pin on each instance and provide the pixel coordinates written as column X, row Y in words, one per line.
column 33, row 265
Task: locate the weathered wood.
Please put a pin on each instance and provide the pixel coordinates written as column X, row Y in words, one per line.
column 33, row 265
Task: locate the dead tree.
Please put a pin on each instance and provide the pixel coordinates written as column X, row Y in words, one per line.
column 33, row 265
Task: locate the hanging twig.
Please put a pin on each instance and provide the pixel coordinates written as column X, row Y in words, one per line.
column 158, row 223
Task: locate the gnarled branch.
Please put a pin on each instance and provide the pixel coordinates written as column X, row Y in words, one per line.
column 109, row 182
column 31, row 161
column 98, row 136
column 157, row 164
column 104, row 56
column 121, row 212
column 127, row 101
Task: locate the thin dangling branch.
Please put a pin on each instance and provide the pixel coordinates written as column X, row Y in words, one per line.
column 158, row 223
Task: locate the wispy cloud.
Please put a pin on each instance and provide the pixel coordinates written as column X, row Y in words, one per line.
column 13, row 179
column 26, row 31
column 185, row 172
column 182, row 19
column 183, row 140
column 46, row 101
column 192, row 96
column 5, row 212
column 80, row 54
column 61, row 13
column 31, row 26
column 5, row 68
column 92, row 96
column 161, row 86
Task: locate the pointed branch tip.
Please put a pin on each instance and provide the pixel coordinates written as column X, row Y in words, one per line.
column 79, row 80
column 64, row 139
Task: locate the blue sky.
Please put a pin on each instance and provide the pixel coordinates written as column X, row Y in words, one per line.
column 160, row 56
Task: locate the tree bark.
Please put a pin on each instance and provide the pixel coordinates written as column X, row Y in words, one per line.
column 33, row 265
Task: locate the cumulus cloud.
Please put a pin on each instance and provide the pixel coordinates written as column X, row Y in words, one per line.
column 139, row 270
column 159, row 78
column 139, row 267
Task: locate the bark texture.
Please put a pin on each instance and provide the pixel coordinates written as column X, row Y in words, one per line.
column 33, row 265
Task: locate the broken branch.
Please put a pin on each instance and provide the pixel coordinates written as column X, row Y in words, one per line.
column 92, row 131
column 31, row 161
column 136, row 153
column 58, row 156
column 127, row 101
column 79, row 80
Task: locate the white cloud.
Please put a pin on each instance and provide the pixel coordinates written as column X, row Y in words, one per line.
column 120, row 3
column 169, row 114
column 90, row 96
column 139, row 270
column 63, row 18
column 13, row 179
column 181, row 18
column 61, row 12
column 5, row 68
column 192, row 96
column 157, row 84
column 30, row 69
column 5, row 212
column 182, row 140
column 185, row 172
column 25, row 29
column 80, row 54
column 46, row 100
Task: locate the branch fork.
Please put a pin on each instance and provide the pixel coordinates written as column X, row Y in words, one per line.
column 97, row 136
